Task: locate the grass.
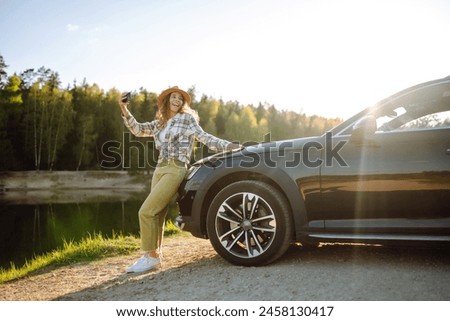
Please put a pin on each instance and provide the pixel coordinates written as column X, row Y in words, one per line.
column 90, row 248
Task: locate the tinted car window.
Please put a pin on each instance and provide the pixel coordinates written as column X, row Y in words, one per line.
column 425, row 108
column 435, row 120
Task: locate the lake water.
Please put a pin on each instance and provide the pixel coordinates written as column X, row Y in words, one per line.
column 35, row 224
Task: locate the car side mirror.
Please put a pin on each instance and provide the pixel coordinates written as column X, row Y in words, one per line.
column 363, row 128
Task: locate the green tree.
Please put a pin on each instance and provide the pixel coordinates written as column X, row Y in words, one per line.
column 11, row 122
column 47, row 114
column 63, row 119
column 7, row 158
column 3, row 74
column 109, row 126
column 243, row 126
column 82, row 138
column 207, row 109
column 12, row 92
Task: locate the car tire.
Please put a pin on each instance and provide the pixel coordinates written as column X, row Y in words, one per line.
column 249, row 223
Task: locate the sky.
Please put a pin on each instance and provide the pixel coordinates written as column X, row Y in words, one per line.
column 326, row 57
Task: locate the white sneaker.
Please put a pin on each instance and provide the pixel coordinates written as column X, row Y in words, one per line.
column 145, row 263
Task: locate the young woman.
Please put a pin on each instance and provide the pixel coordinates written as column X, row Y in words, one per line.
column 174, row 130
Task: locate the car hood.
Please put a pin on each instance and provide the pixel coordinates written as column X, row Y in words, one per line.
column 261, row 148
column 297, row 143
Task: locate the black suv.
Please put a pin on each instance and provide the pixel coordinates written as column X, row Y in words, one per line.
column 381, row 176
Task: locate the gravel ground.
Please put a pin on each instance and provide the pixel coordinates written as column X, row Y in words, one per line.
column 193, row 271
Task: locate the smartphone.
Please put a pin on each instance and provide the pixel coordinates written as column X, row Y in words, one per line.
column 126, row 97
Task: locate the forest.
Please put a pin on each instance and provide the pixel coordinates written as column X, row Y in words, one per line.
column 44, row 126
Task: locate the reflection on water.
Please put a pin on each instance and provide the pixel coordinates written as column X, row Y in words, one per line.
column 32, row 225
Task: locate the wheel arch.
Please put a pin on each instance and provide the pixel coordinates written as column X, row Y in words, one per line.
column 278, row 179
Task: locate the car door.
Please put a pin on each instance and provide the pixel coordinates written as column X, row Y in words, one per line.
column 395, row 180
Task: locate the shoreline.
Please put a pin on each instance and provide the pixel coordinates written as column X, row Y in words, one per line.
column 36, row 187
column 45, row 180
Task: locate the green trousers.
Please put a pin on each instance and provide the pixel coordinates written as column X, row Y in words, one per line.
column 165, row 182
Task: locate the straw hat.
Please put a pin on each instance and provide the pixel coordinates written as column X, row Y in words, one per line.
column 168, row 91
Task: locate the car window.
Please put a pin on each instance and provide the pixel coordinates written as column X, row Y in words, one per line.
column 423, row 109
column 435, row 120
column 385, row 119
column 410, row 121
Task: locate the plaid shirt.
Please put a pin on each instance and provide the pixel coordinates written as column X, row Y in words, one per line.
column 179, row 138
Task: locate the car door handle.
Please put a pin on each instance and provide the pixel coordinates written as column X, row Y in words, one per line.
column 448, row 151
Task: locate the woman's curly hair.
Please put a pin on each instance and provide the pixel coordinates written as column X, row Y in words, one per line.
column 163, row 113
